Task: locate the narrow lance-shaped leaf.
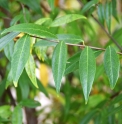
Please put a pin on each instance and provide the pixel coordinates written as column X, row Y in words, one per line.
column 59, row 63
column 30, row 69
column 42, row 20
column 108, row 13
column 66, row 19
column 9, row 48
column 87, row 69
column 32, row 29
column 6, row 39
column 111, row 65
column 17, row 115
column 20, row 57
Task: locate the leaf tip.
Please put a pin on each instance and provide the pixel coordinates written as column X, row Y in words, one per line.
column 15, row 84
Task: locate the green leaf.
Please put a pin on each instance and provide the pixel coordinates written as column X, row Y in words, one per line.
column 88, row 6
column 2, row 87
column 101, row 13
column 17, row 115
column 42, row 20
column 51, row 3
column 114, row 9
column 42, row 88
column 29, row 103
column 5, row 111
column 88, row 117
column 108, row 12
column 20, row 57
column 4, row 4
column 59, row 59
column 111, row 65
column 70, row 38
column 44, row 43
column 87, row 69
column 31, row 29
column 34, row 5
column 6, row 39
column 30, row 69
column 41, row 52
column 15, row 19
column 8, row 49
column 66, row 19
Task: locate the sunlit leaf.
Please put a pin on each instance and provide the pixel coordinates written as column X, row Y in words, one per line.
column 87, row 69
column 30, row 69
column 59, row 59
column 31, row 29
column 17, row 115
column 20, row 57
column 42, row 20
column 66, row 19
column 111, row 65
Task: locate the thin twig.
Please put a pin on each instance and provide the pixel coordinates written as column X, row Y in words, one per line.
column 78, row 45
column 113, row 40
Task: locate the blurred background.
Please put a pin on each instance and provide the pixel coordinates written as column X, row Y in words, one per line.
column 69, row 106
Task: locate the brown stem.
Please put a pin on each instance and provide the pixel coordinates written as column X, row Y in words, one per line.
column 81, row 46
column 112, row 39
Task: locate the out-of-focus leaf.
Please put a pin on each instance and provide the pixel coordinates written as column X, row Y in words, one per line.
column 31, row 29
column 8, row 49
column 116, row 99
column 108, row 12
column 42, row 88
column 51, row 3
column 30, row 69
column 15, row 20
column 44, row 43
column 24, row 85
column 34, row 5
column 4, row 4
column 6, row 39
column 101, row 13
column 114, row 9
column 20, row 57
column 87, row 69
column 59, row 59
column 42, row 20
column 88, row 6
column 115, row 110
column 66, row 19
column 5, row 111
column 88, row 117
column 111, row 65
column 70, row 38
column 29, row 103
column 2, row 87
column 41, row 52
column 17, row 115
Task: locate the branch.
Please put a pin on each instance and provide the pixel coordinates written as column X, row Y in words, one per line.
column 113, row 40
column 78, row 45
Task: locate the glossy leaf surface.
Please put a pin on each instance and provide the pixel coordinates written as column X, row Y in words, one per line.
column 87, row 69
column 30, row 69
column 111, row 65
column 59, row 59
column 20, row 57
column 31, row 29
column 66, row 19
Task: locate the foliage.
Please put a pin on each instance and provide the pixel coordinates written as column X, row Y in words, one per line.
column 85, row 41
